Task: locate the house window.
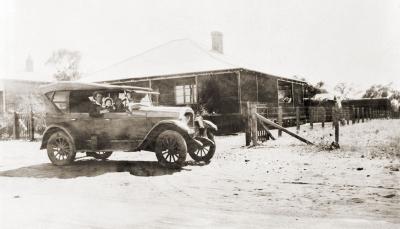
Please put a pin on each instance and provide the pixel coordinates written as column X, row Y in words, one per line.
column 285, row 94
column 186, row 94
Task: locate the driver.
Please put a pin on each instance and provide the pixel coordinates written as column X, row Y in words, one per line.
column 96, row 109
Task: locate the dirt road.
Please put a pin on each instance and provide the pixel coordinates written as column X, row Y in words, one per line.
column 280, row 184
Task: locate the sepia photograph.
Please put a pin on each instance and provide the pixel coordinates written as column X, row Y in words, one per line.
column 201, row 114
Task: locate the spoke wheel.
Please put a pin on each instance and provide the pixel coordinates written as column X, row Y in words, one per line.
column 171, row 149
column 103, row 155
column 204, row 153
column 60, row 149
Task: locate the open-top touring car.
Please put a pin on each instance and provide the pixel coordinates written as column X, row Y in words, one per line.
column 170, row 132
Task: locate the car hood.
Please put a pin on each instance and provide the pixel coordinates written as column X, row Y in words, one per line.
column 162, row 111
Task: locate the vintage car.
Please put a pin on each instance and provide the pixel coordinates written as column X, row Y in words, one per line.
column 170, row 132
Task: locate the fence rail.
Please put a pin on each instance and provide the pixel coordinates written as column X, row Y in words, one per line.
column 296, row 116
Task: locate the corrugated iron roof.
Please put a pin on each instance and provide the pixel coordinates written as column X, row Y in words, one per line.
column 177, row 57
column 174, row 57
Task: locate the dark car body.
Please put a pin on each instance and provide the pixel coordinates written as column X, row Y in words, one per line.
column 68, row 111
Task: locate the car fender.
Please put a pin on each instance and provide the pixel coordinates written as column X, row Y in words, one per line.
column 150, row 138
column 55, row 127
column 210, row 125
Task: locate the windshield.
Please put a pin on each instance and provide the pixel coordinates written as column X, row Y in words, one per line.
column 145, row 100
column 134, row 100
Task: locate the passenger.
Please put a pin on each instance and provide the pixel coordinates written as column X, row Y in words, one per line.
column 119, row 106
column 96, row 109
column 108, row 104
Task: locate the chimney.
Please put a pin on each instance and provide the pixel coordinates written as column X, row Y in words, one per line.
column 29, row 64
column 217, row 42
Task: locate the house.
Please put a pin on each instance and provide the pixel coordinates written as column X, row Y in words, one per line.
column 19, row 95
column 185, row 73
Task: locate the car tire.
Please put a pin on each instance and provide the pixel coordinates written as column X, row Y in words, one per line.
column 171, row 149
column 102, row 155
column 60, row 149
column 204, row 153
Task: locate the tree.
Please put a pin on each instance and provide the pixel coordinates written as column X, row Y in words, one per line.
column 343, row 90
column 210, row 96
column 312, row 90
column 384, row 91
column 377, row 91
column 66, row 64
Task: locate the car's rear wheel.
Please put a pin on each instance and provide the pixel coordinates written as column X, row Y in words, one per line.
column 102, row 155
column 171, row 149
column 60, row 149
column 205, row 152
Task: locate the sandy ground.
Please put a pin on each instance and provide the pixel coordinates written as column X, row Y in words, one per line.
column 279, row 184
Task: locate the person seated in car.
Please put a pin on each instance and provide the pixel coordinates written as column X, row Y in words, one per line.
column 95, row 108
column 118, row 105
column 108, row 104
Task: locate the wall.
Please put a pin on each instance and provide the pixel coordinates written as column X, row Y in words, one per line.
column 218, row 90
column 223, row 89
column 248, row 86
column 166, row 88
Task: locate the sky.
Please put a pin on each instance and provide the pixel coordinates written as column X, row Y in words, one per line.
column 352, row 41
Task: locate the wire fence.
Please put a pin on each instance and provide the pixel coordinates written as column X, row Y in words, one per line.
column 22, row 125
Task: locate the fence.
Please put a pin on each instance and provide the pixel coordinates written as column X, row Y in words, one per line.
column 25, row 125
column 256, row 127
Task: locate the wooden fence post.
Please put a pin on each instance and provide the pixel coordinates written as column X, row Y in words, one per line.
column 370, row 113
column 323, row 117
column 31, row 127
column 280, row 122
column 253, row 111
column 298, row 119
column 311, row 113
column 248, row 124
column 362, row 114
column 348, row 115
column 353, row 115
column 335, row 120
column 15, row 126
column 357, row 115
column 387, row 113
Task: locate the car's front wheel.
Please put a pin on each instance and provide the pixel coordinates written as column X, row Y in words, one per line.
column 60, row 149
column 171, row 149
column 205, row 152
column 103, row 155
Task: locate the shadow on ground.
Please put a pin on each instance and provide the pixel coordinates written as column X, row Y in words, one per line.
column 90, row 168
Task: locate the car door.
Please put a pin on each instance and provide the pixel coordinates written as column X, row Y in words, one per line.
column 125, row 130
column 87, row 128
